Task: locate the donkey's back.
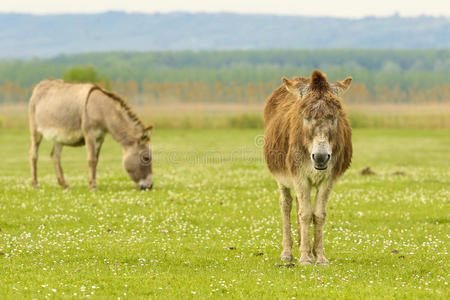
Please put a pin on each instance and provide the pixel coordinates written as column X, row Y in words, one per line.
column 56, row 110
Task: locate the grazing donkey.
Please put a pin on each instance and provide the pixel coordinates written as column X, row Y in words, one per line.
column 74, row 114
column 307, row 144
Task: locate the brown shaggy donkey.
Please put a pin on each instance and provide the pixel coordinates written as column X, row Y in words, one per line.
column 307, row 144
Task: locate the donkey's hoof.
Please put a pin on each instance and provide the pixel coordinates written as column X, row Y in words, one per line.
column 35, row 185
column 322, row 261
column 286, row 257
column 305, row 260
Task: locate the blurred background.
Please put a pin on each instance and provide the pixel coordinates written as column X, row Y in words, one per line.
column 196, row 64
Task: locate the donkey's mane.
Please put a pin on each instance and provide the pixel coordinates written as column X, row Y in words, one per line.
column 323, row 107
column 122, row 103
column 319, row 81
column 319, row 102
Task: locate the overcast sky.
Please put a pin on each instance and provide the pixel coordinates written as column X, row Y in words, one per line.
column 339, row 8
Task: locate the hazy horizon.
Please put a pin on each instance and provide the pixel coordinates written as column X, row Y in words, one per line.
column 224, row 12
column 340, row 9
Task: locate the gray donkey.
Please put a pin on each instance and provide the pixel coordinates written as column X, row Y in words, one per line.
column 74, row 114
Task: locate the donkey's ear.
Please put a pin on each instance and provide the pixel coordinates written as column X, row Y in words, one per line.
column 339, row 87
column 296, row 86
column 147, row 134
column 291, row 88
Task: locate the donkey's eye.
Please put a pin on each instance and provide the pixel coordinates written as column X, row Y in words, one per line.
column 146, row 158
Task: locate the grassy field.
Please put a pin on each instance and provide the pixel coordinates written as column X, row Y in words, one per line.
column 211, row 227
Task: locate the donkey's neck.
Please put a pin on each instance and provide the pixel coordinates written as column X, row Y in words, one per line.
column 113, row 115
column 125, row 131
column 122, row 127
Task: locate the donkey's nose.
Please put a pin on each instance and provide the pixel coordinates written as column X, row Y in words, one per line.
column 144, row 186
column 321, row 158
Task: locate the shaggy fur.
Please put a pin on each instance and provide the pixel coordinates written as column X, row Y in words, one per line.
column 299, row 114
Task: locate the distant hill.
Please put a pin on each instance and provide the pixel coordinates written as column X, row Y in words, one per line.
column 24, row 36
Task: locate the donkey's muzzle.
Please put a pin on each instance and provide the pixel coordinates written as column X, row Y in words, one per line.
column 321, row 160
column 144, row 187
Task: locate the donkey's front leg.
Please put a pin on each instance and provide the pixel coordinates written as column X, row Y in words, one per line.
column 304, row 216
column 320, row 213
column 286, row 207
column 93, row 145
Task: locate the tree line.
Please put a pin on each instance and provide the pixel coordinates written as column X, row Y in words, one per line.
column 239, row 76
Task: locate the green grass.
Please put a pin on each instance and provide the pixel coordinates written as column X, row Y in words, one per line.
column 211, row 225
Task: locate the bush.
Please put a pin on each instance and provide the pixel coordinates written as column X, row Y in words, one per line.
column 85, row 74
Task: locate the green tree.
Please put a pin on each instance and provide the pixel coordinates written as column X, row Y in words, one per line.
column 85, row 74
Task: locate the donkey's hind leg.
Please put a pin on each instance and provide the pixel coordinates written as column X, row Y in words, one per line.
column 286, row 207
column 56, row 157
column 36, row 138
